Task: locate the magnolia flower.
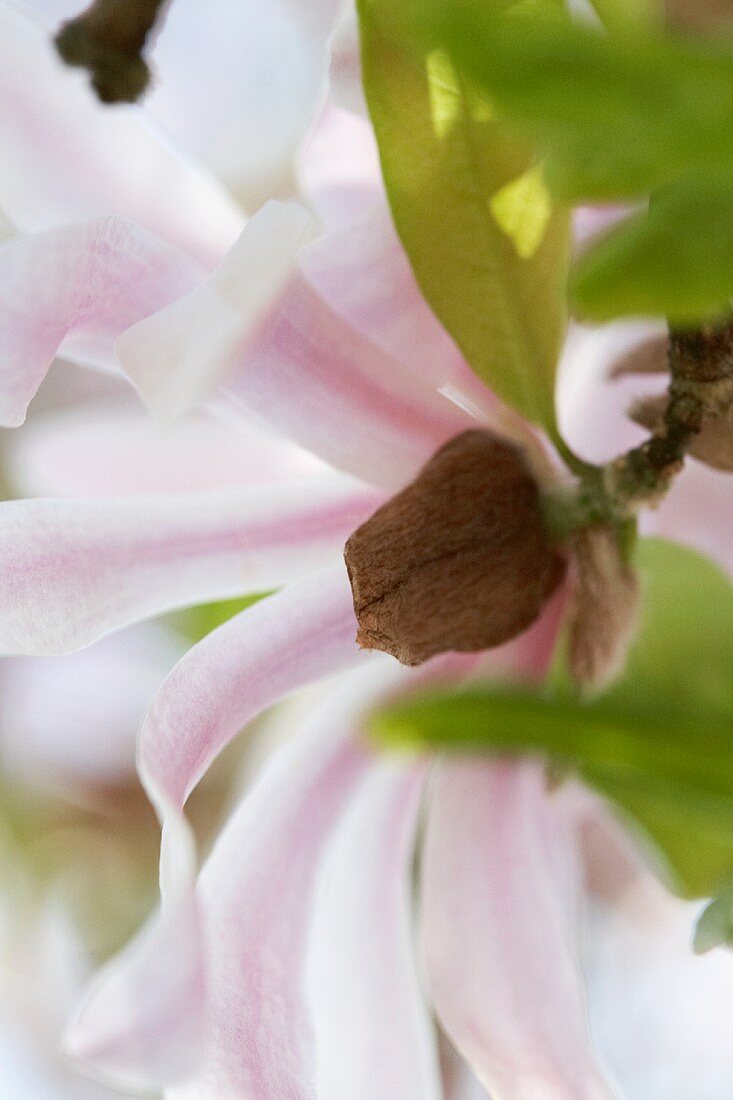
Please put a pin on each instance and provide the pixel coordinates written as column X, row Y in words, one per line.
column 288, row 970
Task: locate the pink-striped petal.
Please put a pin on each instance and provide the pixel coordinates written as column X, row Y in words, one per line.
column 310, row 375
column 373, row 1035
column 75, row 570
column 80, row 287
column 362, row 271
column 360, row 267
column 65, row 157
column 177, row 356
column 499, row 914
column 282, row 643
column 256, row 894
column 316, row 379
column 111, row 448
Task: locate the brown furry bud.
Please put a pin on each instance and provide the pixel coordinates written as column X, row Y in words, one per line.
column 603, row 612
column 459, row 560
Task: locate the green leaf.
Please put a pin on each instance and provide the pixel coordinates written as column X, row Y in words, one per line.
column 616, row 115
column 676, row 259
column 659, row 743
column 488, row 248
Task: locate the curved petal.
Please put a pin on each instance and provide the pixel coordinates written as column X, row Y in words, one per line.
column 256, row 894
column 108, row 448
column 96, row 279
column 320, row 382
column 362, row 271
column 141, row 1021
column 306, row 372
column 499, row 900
column 248, row 926
column 282, row 643
column 65, row 157
column 179, row 354
column 373, row 1034
column 75, row 570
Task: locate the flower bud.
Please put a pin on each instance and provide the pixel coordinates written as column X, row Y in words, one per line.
column 459, row 560
column 603, row 612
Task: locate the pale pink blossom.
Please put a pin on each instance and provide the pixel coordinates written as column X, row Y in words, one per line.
column 287, row 968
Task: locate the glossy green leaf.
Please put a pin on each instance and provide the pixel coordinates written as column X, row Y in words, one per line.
column 616, row 115
column 487, row 246
column 675, row 259
column 659, row 743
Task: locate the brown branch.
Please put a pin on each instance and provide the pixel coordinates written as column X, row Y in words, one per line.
column 701, row 388
column 108, row 39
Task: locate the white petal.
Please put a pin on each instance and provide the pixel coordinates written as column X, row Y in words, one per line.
column 76, row 570
column 177, row 356
column 373, row 1034
column 107, row 448
column 301, row 634
column 256, row 894
column 499, row 921
column 79, row 286
column 64, row 156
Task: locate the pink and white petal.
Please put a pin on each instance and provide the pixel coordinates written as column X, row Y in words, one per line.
column 113, row 448
column 305, row 371
column 317, row 380
column 140, row 1024
column 338, row 168
column 255, row 890
column 65, row 157
column 498, row 924
column 71, row 725
column 363, row 273
column 305, row 632
column 177, row 356
column 75, row 570
column 374, row 1038
column 96, row 279
column 256, row 894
